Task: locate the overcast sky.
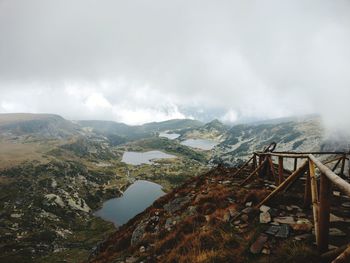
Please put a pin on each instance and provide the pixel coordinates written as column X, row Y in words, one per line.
column 140, row 61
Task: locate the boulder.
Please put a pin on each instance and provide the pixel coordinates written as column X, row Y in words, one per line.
column 265, row 218
column 258, row 244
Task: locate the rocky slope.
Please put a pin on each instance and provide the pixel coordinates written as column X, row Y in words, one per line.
column 211, row 218
column 293, row 135
column 39, row 125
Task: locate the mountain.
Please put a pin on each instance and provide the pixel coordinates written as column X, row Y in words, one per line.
column 214, row 130
column 241, row 140
column 45, row 125
column 119, row 133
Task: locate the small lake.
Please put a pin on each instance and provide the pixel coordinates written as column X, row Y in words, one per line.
column 137, row 158
column 200, row 144
column 170, row 136
column 137, row 197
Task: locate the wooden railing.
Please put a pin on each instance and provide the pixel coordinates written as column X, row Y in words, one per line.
column 314, row 170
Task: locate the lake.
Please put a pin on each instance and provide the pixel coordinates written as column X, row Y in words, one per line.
column 136, row 198
column 200, row 144
column 137, row 158
column 170, row 136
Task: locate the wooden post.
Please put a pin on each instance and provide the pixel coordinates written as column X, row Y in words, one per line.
column 253, row 173
column 242, row 167
column 336, row 164
column 342, row 166
column 295, row 164
column 272, row 170
column 307, row 192
column 325, row 195
column 280, row 170
column 285, row 184
column 254, row 161
column 314, row 196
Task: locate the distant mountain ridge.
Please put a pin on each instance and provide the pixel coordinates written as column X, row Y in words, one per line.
column 45, row 125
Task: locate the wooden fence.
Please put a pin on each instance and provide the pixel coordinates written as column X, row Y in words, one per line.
column 318, row 184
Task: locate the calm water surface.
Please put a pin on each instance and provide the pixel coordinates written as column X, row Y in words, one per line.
column 137, row 158
column 170, row 136
column 137, row 197
column 200, row 144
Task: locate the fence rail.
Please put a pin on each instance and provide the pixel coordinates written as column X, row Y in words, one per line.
column 318, row 184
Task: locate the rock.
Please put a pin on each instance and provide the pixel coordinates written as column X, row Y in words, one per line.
column 138, row 233
column 304, row 237
column 233, row 212
column 259, row 243
column 336, row 193
column 245, row 218
column 250, row 211
column 302, row 225
column 289, row 220
column 289, row 208
column 335, row 232
column 142, row 249
column 264, row 208
column 334, row 218
column 281, row 231
column 226, row 217
column 300, row 214
column 265, row 218
column 130, row 260
column 243, row 226
column 237, row 222
column 176, row 204
column 266, row 251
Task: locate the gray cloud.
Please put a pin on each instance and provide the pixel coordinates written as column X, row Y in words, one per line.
column 138, row 61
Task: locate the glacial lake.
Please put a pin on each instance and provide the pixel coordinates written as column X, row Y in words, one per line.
column 170, row 136
column 137, row 158
column 200, row 144
column 136, row 198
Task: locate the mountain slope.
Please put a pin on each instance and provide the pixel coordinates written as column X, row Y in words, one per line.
column 120, row 132
column 241, row 140
column 45, row 125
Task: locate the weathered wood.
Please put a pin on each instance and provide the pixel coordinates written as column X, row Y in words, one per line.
column 253, row 173
column 323, row 213
column 295, row 163
column 254, row 161
column 339, row 182
column 332, row 254
column 342, row 166
column 332, row 160
column 280, row 170
column 343, row 257
column 272, row 170
column 307, row 191
column 310, row 152
column 314, row 196
column 336, row 165
column 243, row 166
column 282, row 186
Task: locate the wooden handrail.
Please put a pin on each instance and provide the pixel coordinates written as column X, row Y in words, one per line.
column 320, row 196
column 335, row 179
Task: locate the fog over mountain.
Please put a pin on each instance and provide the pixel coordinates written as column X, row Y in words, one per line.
column 141, row 61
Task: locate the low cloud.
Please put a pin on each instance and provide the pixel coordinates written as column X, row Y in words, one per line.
column 146, row 61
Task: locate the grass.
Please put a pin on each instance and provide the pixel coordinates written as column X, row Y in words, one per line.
column 296, row 252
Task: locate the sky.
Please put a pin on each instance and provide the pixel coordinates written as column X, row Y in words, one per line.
column 151, row 60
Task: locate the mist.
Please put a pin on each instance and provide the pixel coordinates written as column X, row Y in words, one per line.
column 142, row 61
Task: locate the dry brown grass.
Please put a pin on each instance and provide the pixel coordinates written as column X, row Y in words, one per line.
column 16, row 153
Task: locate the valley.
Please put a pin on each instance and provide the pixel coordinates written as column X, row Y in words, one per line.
column 55, row 174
